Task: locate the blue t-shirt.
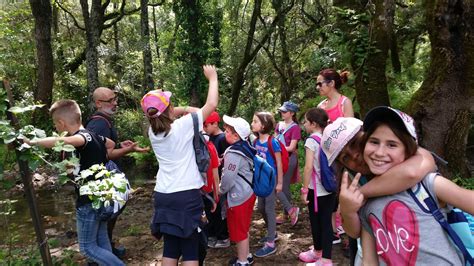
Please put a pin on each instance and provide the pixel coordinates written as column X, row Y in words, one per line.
column 264, row 152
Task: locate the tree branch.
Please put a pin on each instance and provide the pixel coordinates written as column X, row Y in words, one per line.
column 70, row 14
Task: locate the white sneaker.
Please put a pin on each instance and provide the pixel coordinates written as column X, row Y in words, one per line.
column 222, row 243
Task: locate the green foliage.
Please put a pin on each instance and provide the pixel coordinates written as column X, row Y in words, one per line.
column 133, row 230
column 467, row 183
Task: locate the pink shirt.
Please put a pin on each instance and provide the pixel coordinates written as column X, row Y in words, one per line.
column 336, row 111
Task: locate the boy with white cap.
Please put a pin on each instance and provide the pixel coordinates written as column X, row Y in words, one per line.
column 240, row 197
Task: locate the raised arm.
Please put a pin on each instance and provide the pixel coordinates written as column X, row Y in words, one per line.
column 401, row 177
column 212, row 94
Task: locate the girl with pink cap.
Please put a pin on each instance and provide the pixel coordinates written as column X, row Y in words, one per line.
column 177, row 199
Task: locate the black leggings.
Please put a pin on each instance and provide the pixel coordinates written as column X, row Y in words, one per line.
column 321, row 226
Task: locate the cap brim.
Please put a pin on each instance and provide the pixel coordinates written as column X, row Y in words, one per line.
column 283, row 109
column 381, row 113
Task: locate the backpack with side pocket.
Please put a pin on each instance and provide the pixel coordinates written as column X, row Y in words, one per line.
column 455, row 223
column 285, row 158
column 264, row 176
column 328, row 176
column 203, row 158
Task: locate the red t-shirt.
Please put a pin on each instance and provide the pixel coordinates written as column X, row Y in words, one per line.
column 214, row 164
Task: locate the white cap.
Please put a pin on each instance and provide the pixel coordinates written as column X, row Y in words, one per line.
column 241, row 126
column 384, row 113
column 337, row 134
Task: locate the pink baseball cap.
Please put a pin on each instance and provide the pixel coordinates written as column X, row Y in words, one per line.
column 337, row 134
column 157, row 99
column 384, row 113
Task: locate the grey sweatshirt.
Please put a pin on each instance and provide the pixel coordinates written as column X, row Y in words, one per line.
column 238, row 191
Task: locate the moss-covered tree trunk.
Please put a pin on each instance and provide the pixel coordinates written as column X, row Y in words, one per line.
column 148, row 83
column 93, row 22
column 42, row 12
column 443, row 105
column 371, row 81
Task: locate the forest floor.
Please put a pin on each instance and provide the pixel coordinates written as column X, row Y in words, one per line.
column 132, row 232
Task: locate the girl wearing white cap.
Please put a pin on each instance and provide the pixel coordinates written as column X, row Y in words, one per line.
column 397, row 230
column 342, row 142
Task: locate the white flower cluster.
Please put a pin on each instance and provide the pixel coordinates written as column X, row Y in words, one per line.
column 105, row 186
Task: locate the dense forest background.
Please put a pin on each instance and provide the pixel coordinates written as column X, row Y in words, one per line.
column 417, row 56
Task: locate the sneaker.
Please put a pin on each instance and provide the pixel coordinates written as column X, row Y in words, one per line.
column 263, row 240
column 336, row 239
column 239, row 264
column 265, row 251
column 323, row 262
column 280, row 219
column 119, row 252
column 233, row 261
column 294, row 212
column 211, row 241
column 340, row 230
column 222, row 243
column 309, row 256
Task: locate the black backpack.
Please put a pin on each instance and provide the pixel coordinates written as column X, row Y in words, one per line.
column 203, row 158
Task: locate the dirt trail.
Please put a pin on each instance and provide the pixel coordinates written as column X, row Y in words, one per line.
column 142, row 249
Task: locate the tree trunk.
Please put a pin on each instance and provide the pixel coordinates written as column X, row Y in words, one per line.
column 93, row 22
column 148, row 83
column 371, row 81
column 42, row 12
column 191, row 46
column 444, row 103
column 249, row 54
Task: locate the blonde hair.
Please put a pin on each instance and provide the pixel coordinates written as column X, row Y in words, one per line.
column 67, row 110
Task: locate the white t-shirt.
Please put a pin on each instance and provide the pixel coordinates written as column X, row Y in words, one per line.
column 311, row 144
column 178, row 170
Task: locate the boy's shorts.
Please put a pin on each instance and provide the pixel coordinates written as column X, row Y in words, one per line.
column 238, row 220
column 175, row 247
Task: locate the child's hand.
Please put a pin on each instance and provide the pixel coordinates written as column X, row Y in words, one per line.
column 210, row 72
column 350, row 197
column 279, row 187
column 304, row 198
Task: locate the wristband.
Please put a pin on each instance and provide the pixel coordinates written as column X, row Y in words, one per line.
column 304, row 190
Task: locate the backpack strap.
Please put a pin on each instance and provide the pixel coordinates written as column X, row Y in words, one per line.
column 314, row 175
column 100, row 117
column 281, row 136
column 430, row 203
column 196, row 130
column 246, row 151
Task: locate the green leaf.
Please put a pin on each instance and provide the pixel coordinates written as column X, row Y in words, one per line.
column 19, row 110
